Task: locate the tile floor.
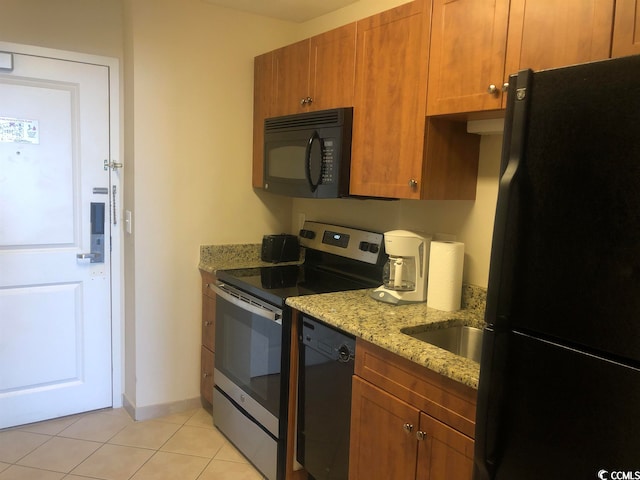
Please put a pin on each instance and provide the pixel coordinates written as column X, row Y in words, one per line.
column 109, row 445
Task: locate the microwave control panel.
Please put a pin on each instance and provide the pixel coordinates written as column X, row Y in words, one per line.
column 328, row 150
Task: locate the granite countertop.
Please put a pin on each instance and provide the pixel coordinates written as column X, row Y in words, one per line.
column 379, row 323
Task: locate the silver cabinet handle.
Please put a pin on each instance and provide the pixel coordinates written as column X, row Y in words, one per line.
column 420, row 435
column 83, row 256
column 505, row 87
column 413, row 183
column 408, row 428
column 492, row 89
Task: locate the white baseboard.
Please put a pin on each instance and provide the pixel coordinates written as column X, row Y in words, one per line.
column 160, row 410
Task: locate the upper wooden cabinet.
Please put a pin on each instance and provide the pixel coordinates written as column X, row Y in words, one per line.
column 626, row 30
column 476, row 45
column 396, row 153
column 262, row 108
column 316, row 73
column 468, row 45
column 389, row 115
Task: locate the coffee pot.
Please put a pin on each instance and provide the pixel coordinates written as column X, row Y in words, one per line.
column 404, row 276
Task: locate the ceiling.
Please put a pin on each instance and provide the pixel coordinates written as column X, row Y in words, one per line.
column 290, row 10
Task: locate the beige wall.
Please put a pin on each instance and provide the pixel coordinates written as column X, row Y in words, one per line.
column 189, row 106
column 88, row 26
column 471, row 222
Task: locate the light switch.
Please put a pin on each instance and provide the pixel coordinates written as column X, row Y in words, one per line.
column 128, row 222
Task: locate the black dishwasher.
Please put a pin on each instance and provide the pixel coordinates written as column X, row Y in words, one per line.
column 324, row 400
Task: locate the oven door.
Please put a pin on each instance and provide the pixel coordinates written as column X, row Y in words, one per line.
column 248, row 348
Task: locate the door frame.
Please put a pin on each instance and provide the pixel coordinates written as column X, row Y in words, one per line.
column 116, row 178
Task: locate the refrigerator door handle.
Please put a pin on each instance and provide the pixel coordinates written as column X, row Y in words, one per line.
column 490, row 403
column 506, row 226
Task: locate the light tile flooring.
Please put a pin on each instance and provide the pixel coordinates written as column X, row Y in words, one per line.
column 109, row 445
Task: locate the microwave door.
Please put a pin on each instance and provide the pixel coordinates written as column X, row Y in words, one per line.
column 313, row 161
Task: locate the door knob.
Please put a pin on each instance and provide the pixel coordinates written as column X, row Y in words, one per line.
column 84, row 256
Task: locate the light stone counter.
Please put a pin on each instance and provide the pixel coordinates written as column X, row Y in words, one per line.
column 379, row 323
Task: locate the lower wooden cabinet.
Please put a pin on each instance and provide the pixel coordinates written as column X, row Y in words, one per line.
column 408, row 422
column 207, row 349
column 626, row 28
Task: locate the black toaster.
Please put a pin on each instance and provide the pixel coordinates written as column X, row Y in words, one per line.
column 280, row 248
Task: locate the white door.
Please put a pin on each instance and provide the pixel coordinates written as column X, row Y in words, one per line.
column 55, row 318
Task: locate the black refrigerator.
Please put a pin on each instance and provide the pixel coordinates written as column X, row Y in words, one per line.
column 559, row 389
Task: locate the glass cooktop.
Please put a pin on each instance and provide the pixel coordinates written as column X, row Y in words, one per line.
column 276, row 283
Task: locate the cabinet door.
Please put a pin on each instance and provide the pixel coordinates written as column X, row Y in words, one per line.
column 554, row 34
column 206, row 374
column 332, row 68
column 262, row 108
column 443, row 453
column 208, row 321
column 291, row 78
column 626, row 30
column 389, row 107
column 468, row 45
column 383, row 442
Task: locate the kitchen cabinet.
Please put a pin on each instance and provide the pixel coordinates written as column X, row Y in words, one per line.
column 626, row 28
column 207, row 348
column 316, row 73
column 408, row 422
column 262, row 108
column 396, row 153
column 477, row 44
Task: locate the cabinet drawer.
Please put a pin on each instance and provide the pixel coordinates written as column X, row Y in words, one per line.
column 447, row 400
column 207, row 360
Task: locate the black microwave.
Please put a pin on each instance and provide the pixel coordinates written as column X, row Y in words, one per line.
column 308, row 154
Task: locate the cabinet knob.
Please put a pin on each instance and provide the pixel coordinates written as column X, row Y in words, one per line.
column 492, row 89
column 420, row 435
column 306, row 101
column 208, row 323
column 205, row 375
column 413, row 183
column 408, row 428
column 505, row 87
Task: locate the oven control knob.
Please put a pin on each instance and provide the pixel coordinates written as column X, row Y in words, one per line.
column 364, row 246
column 373, row 248
column 344, row 354
column 310, row 234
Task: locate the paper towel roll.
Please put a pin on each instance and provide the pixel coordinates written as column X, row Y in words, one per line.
column 445, row 275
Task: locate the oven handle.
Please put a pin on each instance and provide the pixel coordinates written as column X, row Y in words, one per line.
column 246, row 302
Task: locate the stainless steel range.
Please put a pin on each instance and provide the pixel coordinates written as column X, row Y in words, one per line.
column 253, row 330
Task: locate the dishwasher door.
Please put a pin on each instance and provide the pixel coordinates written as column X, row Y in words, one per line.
column 324, row 400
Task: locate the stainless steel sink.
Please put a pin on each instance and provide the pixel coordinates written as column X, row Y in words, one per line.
column 461, row 340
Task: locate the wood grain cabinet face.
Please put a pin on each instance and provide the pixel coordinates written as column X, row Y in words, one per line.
column 207, row 349
column 626, row 29
column 389, row 108
column 477, row 44
column 262, row 108
column 316, row 73
column 398, row 415
column 468, row 47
